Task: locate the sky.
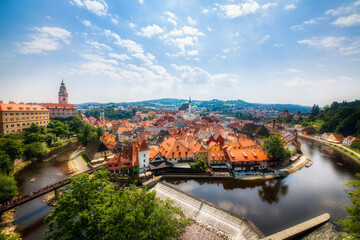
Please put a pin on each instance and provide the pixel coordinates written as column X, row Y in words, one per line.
column 263, row 51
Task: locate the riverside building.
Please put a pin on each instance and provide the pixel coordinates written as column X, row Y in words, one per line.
column 14, row 118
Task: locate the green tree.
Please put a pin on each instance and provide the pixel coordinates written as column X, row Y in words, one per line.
column 351, row 224
column 35, row 150
column 8, row 188
column 199, row 165
column 90, row 208
column 86, row 134
column 274, row 146
column 315, row 110
column 12, row 147
column 6, row 164
column 99, row 131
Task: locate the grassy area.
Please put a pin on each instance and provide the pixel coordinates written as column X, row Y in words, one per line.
column 85, row 158
column 346, row 150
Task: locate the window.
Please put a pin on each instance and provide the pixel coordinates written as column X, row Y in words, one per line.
column 144, row 155
column 144, row 160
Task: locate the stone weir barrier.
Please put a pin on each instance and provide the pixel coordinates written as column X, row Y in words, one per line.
column 234, row 226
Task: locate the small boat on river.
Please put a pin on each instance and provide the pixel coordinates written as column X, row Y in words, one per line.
column 309, row 163
column 33, row 179
column 70, row 172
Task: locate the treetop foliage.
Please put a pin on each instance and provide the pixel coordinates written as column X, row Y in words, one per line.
column 275, row 148
column 351, row 224
column 90, row 208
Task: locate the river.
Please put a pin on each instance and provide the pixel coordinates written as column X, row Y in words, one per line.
column 277, row 204
column 271, row 205
column 29, row 216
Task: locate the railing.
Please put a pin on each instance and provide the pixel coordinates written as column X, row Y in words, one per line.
column 38, row 193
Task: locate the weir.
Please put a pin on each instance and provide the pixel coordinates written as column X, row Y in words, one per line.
column 234, row 226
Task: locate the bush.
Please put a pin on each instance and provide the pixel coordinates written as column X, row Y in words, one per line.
column 199, row 166
column 35, row 150
column 8, row 188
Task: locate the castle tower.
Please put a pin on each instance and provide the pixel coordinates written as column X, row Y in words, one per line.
column 63, row 95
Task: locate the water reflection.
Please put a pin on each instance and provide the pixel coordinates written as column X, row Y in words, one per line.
column 272, row 190
column 269, row 191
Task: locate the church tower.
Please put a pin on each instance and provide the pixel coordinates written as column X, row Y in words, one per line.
column 63, row 95
column 189, row 104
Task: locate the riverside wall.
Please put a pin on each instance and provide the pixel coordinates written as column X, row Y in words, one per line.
column 234, row 226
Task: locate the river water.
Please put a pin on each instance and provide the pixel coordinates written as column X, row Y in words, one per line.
column 29, row 216
column 271, row 205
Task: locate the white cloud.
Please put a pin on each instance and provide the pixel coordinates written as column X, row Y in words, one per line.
column 150, row 31
column 98, row 7
column 147, row 59
column 196, row 75
column 300, row 27
column 121, row 57
column 298, row 82
column 205, row 10
column 324, row 42
column 45, row 39
column 348, row 21
column 353, row 49
column 115, row 20
column 292, row 70
column 344, row 9
column 345, row 78
column 132, row 25
column 170, row 20
column 141, row 1
column 237, row 10
column 209, row 29
column 193, row 53
column 130, row 45
column 99, row 46
column 290, row 7
column 186, row 30
column 264, row 39
column 343, row 45
column 170, row 14
column 279, row 45
column 268, row 5
column 86, row 23
column 191, row 21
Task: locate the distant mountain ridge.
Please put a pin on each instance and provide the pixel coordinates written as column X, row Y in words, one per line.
column 213, row 105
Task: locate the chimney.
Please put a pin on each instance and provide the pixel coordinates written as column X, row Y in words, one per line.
column 11, row 102
column 1, row 101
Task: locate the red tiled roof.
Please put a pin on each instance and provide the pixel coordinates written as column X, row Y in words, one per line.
column 59, row 106
column 21, row 107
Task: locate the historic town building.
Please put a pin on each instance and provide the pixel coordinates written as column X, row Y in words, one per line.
column 15, row 118
column 62, row 109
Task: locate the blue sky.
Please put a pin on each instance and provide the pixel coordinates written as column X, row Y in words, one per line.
column 268, row 51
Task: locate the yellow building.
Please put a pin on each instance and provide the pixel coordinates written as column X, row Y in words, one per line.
column 15, row 118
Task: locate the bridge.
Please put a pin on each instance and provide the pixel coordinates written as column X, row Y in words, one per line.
column 38, row 193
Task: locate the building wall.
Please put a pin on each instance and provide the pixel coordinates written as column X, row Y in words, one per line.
column 204, row 156
column 17, row 121
column 144, row 161
column 62, row 113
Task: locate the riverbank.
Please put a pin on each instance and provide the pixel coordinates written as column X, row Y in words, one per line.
column 76, row 163
column 7, row 225
column 337, row 147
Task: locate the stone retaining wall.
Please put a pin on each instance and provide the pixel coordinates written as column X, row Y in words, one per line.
column 234, row 226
